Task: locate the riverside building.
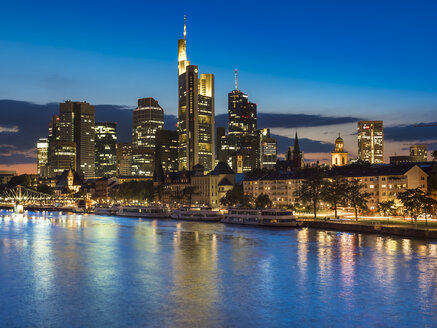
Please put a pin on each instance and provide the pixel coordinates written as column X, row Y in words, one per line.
column 147, row 119
column 371, row 141
column 106, row 149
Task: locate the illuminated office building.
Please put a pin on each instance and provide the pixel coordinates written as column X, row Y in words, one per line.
column 418, row 153
column 241, row 145
column 268, row 150
column 371, row 141
column 62, row 157
column 106, row 150
column 167, row 150
column 42, row 147
column 124, row 159
column 76, row 124
column 195, row 113
column 148, row 118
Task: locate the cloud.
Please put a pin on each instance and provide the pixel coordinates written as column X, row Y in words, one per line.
column 12, row 129
column 413, row 133
column 11, row 150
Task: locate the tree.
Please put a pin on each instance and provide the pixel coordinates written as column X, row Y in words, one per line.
column 45, row 189
column 357, row 198
column 412, row 199
column 429, row 205
column 24, row 180
column 160, row 190
column 189, row 192
column 134, row 190
column 387, row 208
column 236, row 196
column 311, row 190
column 434, row 155
column 334, row 192
column 263, row 201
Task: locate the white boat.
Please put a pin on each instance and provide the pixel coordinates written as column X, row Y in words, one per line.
column 196, row 214
column 104, row 209
column 266, row 217
column 144, row 212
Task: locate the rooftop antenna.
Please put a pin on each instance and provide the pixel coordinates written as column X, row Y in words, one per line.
column 185, row 27
column 236, row 80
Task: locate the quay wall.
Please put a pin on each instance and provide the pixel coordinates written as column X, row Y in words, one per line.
column 378, row 229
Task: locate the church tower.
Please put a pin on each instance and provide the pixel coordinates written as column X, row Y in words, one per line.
column 339, row 156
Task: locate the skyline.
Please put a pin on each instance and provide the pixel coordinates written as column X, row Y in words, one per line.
column 331, row 83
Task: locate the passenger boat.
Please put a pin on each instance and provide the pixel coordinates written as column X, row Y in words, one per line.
column 266, row 217
column 105, row 209
column 144, row 212
column 196, row 214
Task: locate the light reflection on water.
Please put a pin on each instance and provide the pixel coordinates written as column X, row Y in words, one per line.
column 86, row 270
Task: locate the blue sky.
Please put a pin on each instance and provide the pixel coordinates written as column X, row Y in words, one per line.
column 372, row 58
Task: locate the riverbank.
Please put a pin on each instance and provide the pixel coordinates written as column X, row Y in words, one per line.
column 411, row 231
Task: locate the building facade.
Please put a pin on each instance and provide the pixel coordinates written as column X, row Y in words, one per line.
column 124, row 159
column 106, row 149
column 268, row 150
column 62, row 157
column 418, row 153
column 77, row 125
column 147, row 119
column 196, row 113
column 42, row 148
column 371, row 141
column 166, row 153
column 339, row 156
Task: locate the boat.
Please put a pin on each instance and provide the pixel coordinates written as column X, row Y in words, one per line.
column 144, row 212
column 271, row 217
column 196, row 214
column 104, row 209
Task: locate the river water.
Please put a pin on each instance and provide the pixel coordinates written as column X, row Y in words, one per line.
column 96, row 271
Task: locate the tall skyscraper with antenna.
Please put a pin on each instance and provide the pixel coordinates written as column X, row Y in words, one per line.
column 196, row 118
column 241, row 145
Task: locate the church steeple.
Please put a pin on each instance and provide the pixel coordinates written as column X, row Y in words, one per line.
column 296, row 144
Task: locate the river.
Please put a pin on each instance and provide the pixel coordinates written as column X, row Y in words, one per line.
column 95, row 271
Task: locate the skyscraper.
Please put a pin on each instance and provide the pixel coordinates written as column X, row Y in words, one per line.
column 124, row 159
column 147, row 119
column 371, row 141
column 42, row 157
column 62, row 157
column 419, row 153
column 195, row 113
column 242, row 140
column 268, row 150
column 167, row 150
column 106, row 152
column 77, row 125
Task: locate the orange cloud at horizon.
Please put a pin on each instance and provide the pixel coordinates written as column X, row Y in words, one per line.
column 29, row 168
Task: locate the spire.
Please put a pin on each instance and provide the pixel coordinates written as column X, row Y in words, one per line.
column 185, row 27
column 296, row 144
column 236, row 80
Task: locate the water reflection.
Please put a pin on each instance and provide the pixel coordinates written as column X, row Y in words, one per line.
column 107, row 271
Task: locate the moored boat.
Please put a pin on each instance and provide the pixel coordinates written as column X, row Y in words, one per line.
column 265, row 217
column 104, row 209
column 197, row 214
column 144, row 212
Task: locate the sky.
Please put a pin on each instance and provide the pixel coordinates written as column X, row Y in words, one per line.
column 331, row 59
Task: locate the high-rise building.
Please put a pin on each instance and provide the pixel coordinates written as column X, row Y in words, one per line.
column 77, row 125
column 339, row 156
column 124, row 159
column 167, row 150
column 106, row 149
column 268, row 150
column 42, row 147
column 148, row 118
column 62, row 157
column 242, row 142
column 195, row 113
column 371, row 141
column 418, row 153
column 219, row 135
